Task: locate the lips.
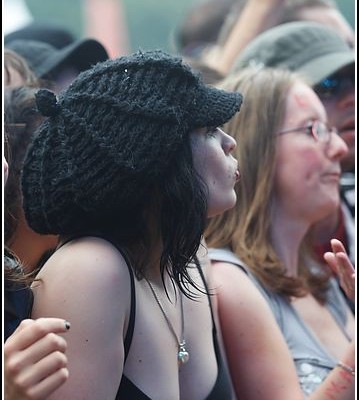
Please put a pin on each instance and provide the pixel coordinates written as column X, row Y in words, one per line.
column 237, row 175
column 332, row 176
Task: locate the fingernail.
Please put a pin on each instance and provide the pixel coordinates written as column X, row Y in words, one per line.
column 67, row 325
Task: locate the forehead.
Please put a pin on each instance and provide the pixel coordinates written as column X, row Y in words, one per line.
column 302, row 96
column 302, row 101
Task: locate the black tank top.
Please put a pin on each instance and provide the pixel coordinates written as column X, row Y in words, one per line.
column 128, row 390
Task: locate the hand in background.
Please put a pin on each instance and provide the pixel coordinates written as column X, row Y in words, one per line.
column 341, row 265
column 35, row 363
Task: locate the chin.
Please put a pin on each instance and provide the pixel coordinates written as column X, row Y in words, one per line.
column 328, row 209
column 221, row 207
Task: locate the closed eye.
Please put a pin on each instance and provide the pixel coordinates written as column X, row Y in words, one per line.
column 211, row 130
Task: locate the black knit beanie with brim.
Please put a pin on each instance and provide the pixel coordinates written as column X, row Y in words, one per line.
column 111, row 136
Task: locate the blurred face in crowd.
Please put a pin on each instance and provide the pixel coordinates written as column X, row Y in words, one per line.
column 337, row 93
column 308, row 158
column 13, row 78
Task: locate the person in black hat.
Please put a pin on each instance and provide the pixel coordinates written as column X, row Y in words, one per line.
column 127, row 168
column 58, row 67
column 56, row 35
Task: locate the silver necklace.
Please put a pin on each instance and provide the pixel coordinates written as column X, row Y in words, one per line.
column 182, row 353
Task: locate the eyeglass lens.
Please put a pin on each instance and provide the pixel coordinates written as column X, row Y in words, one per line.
column 321, row 132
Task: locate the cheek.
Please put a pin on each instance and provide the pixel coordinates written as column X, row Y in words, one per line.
column 298, row 170
column 222, row 196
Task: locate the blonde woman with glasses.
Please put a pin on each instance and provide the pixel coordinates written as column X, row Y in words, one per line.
column 287, row 330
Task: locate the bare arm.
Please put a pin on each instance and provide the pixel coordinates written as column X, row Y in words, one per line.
column 87, row 282
column 35, row 363
column 259, row 359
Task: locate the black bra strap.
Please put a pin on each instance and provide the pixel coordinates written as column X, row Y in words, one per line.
column 131, row 323
column 198, row 265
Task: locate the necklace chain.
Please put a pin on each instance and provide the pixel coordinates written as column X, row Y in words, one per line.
column 182, row 353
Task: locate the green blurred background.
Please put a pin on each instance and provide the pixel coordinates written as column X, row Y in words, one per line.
column 151, row 23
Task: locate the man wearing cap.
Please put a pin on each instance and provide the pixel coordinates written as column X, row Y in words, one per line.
column 59, row 66
column 327, row 61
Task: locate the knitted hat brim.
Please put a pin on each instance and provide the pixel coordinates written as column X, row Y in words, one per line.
column 218, row 107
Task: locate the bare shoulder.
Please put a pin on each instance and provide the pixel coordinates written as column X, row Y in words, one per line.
column 88, row 273
column 87, row 259
column 252, row 338
column 230, row 275
column 236, row 289
column 87, row 283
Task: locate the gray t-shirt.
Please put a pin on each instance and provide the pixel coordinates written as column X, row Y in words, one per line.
column 312, row 361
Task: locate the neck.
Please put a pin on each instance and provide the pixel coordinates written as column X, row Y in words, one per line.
column 324, row 230
column 287, row 236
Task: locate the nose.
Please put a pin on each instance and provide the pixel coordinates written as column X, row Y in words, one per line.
column 228, row 142
column 337, row 148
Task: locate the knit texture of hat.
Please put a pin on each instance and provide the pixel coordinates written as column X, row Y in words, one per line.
column 310, row 48
column 111, row 136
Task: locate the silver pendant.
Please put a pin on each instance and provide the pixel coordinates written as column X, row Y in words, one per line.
column 182, row 355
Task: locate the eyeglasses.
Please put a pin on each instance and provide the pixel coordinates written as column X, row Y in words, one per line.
column 334, row 86
column 318, row 130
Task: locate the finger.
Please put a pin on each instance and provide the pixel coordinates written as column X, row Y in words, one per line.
column 44, row 368
column 337, row 246
column 30, row 331
column 48, row 385
column 21, row 363
column 33, row 354
column 345, row 263
column 330, row 259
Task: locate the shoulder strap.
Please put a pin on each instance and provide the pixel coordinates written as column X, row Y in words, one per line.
column 198, row 265
column 131, row 323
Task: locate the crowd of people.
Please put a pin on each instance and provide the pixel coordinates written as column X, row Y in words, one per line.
column 181, row 226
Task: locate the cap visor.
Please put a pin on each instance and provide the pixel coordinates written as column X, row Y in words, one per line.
column 219, row 106
column 322, row 67
column 81, row 54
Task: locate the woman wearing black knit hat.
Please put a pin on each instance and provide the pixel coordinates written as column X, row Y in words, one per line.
column 127, row 168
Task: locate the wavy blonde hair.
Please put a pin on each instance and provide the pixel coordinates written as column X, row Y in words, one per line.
column 245, row 229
